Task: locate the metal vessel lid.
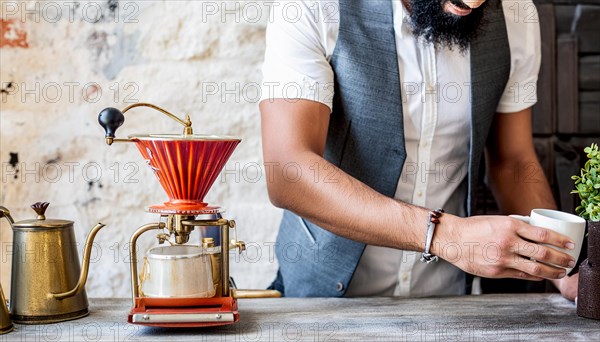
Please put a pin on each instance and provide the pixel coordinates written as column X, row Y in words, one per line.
column 175, row 252
column 41, row 222
column 180, row 137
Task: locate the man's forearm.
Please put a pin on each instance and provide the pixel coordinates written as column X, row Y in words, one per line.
column 301, row 180
column 329, row 197
column 349, row 208
column 520, row 186
column 515, row 175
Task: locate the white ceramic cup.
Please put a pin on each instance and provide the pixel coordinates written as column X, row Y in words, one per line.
column 566, row 224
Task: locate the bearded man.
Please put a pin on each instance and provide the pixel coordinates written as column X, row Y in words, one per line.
column 374, row 111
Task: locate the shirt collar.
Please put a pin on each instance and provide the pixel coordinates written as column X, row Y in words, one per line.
column 401, row 17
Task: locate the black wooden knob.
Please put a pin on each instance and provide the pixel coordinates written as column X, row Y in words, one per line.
column 111, row 119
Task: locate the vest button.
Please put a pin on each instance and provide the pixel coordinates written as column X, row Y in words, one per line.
column 339, row 287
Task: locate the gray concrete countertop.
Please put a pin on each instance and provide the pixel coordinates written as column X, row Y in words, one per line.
column 539, row 317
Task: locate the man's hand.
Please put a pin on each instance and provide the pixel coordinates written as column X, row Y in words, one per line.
column 502, row 247
column 568, row 286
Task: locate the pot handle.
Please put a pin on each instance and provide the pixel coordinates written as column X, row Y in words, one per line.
column 239, row 293
column 4, row 212
column 111, row 119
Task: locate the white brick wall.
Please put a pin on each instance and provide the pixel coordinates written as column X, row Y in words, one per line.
column 165, row 52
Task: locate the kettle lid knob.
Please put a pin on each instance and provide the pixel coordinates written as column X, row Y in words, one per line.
column 40, row 209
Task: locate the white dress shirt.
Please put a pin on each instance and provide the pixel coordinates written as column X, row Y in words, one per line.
column 436, row 113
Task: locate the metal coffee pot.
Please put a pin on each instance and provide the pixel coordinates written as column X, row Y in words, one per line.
column 47, row 285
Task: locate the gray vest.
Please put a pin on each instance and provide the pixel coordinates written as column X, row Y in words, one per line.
column 366, row 131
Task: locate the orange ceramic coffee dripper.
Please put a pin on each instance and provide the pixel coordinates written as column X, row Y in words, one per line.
column 185, row 165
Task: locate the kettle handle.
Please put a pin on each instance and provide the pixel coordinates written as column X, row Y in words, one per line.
column 4, row 212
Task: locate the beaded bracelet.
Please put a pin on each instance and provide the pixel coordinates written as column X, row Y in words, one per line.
column 434, row 218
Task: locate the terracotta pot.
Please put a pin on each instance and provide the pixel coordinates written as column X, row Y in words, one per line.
column 588, row 294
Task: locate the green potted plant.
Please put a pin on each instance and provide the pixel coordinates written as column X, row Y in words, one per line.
column 587, row 186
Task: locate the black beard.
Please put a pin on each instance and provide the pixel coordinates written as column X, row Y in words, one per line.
column 430, row 22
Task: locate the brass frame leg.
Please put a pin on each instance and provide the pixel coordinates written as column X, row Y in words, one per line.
column 133, row 255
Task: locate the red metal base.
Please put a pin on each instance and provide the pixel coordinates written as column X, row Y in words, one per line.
column 182, row 306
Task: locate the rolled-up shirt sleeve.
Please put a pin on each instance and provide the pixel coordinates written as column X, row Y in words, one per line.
column 295, row 64
column 523, row 28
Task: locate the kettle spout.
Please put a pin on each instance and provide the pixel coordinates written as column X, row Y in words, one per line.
column 6, row 213
column 85, row 266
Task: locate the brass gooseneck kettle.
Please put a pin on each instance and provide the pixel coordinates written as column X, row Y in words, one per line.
column 47, row 285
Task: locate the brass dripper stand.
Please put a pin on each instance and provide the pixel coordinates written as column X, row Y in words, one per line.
column 180, row 227
column 186, row 166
